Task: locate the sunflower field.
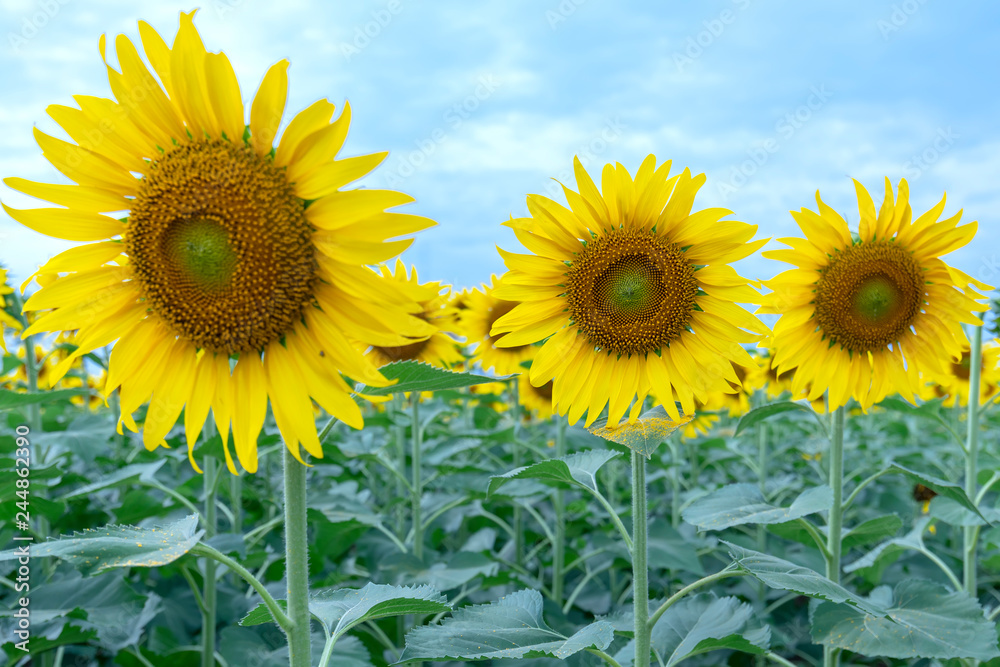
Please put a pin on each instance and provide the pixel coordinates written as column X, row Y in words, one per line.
column 236, row 429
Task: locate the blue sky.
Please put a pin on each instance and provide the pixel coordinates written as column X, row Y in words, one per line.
column 480, row 104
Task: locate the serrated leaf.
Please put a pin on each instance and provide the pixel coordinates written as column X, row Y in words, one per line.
column 758, row 415
column 341, row 609
column 645, row 434
column 738, row 504
column 511, row 627
column 787, row 576
column 703, row 623
column 120, row 546
column 925, row 620
column 418, row 376
column 136, row 471
column 579, row 469
column 942, row 487
column 10, row 400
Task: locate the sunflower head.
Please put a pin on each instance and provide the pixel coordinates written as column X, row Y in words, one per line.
column 438, row 347
column 632, row 291
column 862, row 316
column 239, row 273
column 477, row 320
column 7, row 320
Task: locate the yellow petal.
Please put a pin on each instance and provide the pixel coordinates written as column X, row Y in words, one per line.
column 268, row 107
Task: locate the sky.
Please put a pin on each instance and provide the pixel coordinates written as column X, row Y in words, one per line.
column 480, row 104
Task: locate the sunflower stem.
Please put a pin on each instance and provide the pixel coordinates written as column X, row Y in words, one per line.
column 831, row 655
column 208, row 585
column 640, row 575
column 559, row 504
column 516, row 449
column 417, row 484
column 971, row 457
column 297, row 562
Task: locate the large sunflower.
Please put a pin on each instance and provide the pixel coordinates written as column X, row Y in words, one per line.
column 439, row 348
column 237, row 272
column 484, row 308
column 863, row 317
column 633, row 292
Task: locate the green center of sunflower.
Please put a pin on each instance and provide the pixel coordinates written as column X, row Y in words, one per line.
column 203, row 252
column 631, row 292
column 875, row 298
column 869, row 296
column 221, row 246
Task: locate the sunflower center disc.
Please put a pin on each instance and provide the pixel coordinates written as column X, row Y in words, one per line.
column 403, row 352
column 498, row 310
column 869, row 295
column 963, row 369
column 221, row 246
column 631, row 292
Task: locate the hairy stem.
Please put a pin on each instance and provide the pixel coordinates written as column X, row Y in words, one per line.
column 297, row 562
column 640, row 575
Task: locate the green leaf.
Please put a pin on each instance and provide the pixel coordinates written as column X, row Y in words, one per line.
column 418, row 376
column 767, row 411
column 890, row 549
column 925, row 620
column 703, row 623
column 738, row 504
column 459, row 569
column 106, row 605
column 578, row 469
column 16, row 399
column 669, row 550
column 645, row 435
column 137, row 471
column 511, row 627
column 120, row 546
column 782, row 574
column 871, row 531
column 954, row 514
column 942, row 487
column 341, row 609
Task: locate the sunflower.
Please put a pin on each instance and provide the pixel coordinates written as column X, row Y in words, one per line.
column 632, row 291
column 494, row 396
column 6, row 319
column 440, row 348
column 484, row 309
column 535, row 400
column 953, row 383
column 237, row 273
column 862, row 318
